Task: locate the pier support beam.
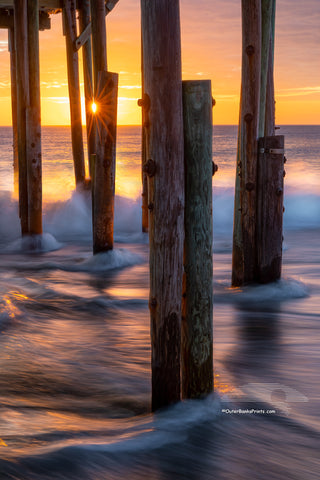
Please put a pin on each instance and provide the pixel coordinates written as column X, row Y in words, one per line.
column 84, row 21
column 14, row 106
column 269, row 130
column 244, row 234
column 105, row 162
column 197, row 327
column 165, row 169
column 70, row 31
column 21, row 42
column 105, row 94
column 270, row 208
column 34, row 123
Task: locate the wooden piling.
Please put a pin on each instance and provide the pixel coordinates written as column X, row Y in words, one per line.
column 21, row 41
column 244, row 243
column 99, row 40
column 70, row 31
column 145, row 104
column 197, row 327
column 266, row 32
column 84, row 22
column 105, row 93
column 160, row 21
column 14, row 106
column 34, row 123
column 270, row 208
column 269, row 130
column 105, row 168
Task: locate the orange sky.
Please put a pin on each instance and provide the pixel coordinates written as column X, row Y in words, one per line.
column 211, row 48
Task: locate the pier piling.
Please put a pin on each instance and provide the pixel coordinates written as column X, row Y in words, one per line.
column 14, row 106
column 21, row 42
column 33, row 121
column 165, row 169
column 84, row 23
column 270, row 208
column 197, row 327
column 105, row 96
column 70, row 31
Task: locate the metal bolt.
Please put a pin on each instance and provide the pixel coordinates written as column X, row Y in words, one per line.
column 284, row 159
column 153, row 303
column 214, row 168
column 145, row 102
column 279, row 192
column 150, row 168
column 284, row 173
column 213, row 102
column 248, row 117
column 250, row 50
column 150, row 206
column 249, row 186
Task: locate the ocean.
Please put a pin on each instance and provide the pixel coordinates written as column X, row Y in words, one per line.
column 75, row 380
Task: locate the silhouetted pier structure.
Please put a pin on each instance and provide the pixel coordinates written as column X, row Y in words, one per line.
column 177, row 165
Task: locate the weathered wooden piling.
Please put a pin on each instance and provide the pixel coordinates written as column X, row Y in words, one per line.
column 105, row 94
column 14, row 106
column 105, row 168
column 70, row 31
column 145, row 104
column 266, row 32
column 270, row 208
column 160, row 21
column 21, row 42
column 85, row 25
column 34, row 168
column 244, row 243
column 99, row 40
column 269, row 130
column 197, row 326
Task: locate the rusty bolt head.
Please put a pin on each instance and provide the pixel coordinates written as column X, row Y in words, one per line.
column 249, row 186
column 213, row 102
column 150, row 206
column 284, row 159
column 248, row 117
column 284, row 173
column 214, row 168
column 250, row 50
column 279, row 191
column 153, row 303
column 150, row 168
column 144, row 102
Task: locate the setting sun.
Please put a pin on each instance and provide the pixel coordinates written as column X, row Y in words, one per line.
column 94, row 107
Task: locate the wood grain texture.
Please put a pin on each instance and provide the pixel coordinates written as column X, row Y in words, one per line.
column 14, row 106
column 70, row 29
column 266, row 32
column 33, row 119
column 270, row 209
column 269, row 129
column 162, row 66
column 22, row 71
column 99, row 39
column 244, row 253
column 105, row 166
column 197, row 326
column 84, row 21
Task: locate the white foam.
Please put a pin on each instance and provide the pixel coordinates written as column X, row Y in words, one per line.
column 117, row 258
column 34, row 244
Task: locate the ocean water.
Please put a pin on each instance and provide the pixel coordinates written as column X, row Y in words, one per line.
column 75, row 345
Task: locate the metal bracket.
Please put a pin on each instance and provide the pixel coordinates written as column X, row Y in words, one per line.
column 274, row 151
